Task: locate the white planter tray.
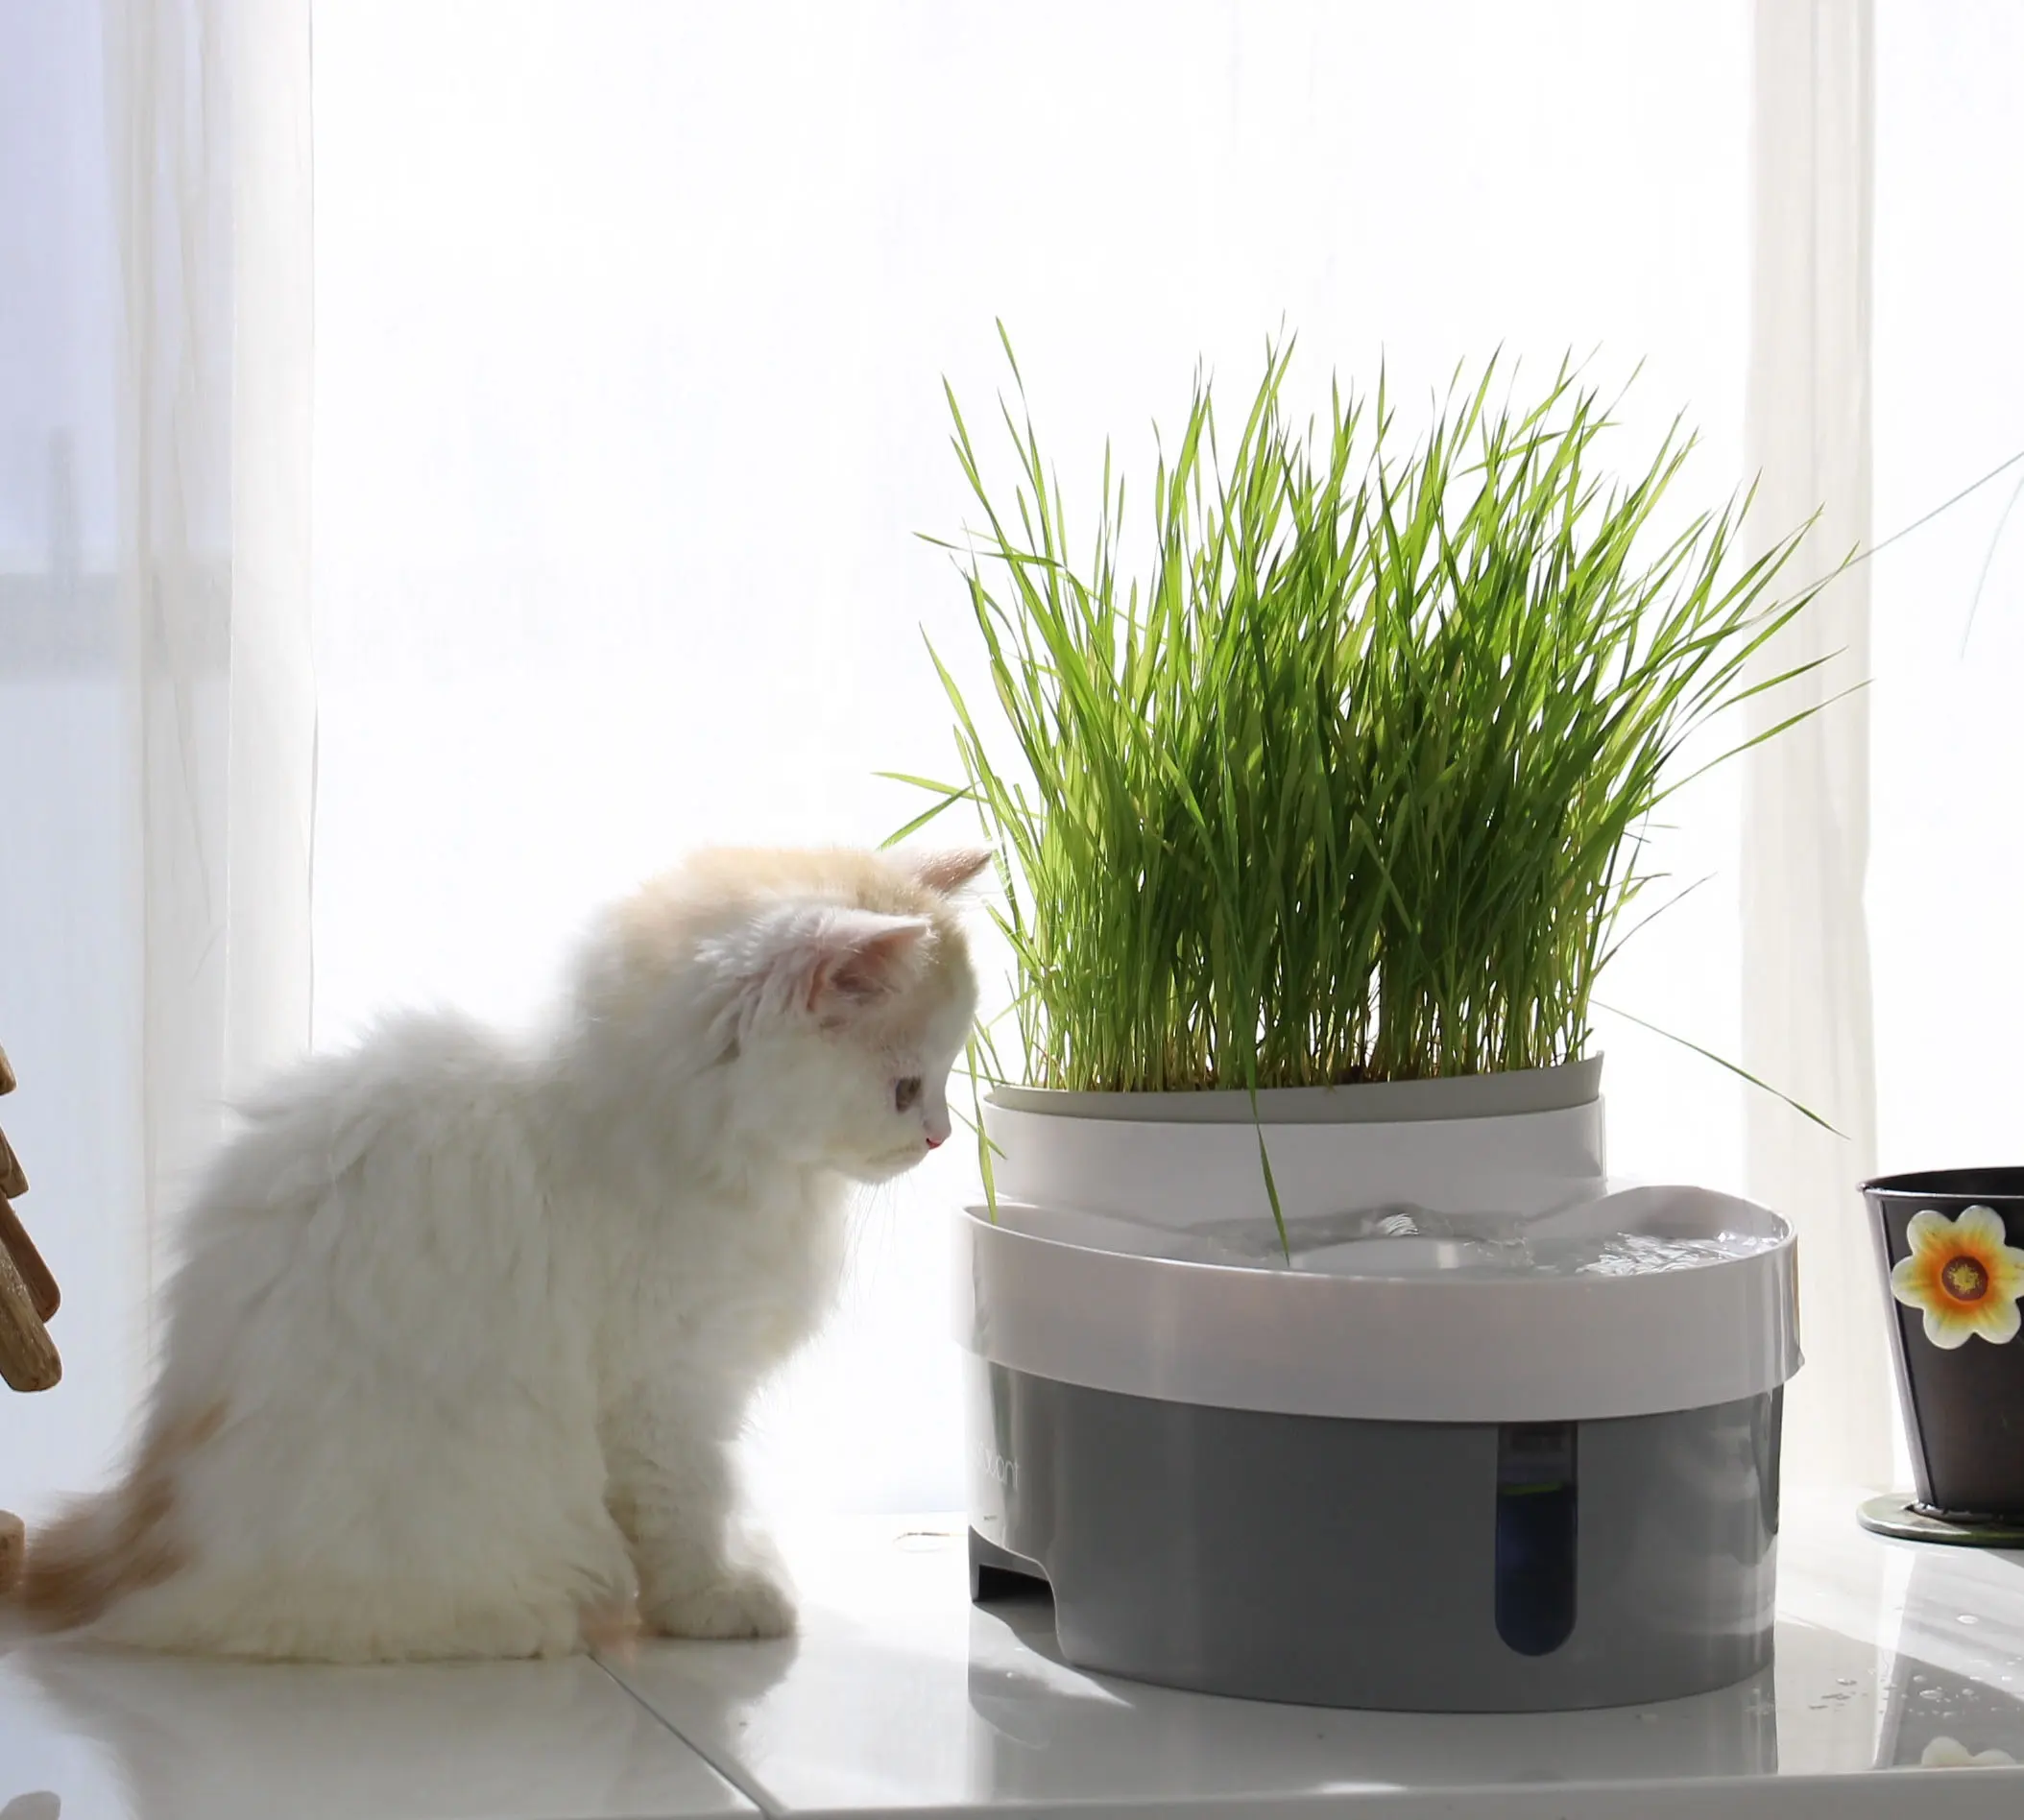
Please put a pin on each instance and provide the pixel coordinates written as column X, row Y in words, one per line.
column 1635, row 1301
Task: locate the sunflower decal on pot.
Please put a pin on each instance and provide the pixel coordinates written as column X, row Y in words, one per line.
column 1962, row 1277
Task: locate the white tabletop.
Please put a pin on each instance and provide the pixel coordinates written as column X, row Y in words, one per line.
column 98, row 1736
column 899, row 1697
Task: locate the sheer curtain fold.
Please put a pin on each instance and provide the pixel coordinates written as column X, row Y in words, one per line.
column 208, row 109
column 1806, row 985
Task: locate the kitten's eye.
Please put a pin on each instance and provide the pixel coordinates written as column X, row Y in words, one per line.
column 907, row 1094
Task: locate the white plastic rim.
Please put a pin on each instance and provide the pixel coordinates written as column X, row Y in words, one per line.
column 1371, row 1102
column 1424, row 1345
column 1181, row 1172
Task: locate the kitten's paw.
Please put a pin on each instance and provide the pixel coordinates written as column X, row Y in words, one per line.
column 734, row 1602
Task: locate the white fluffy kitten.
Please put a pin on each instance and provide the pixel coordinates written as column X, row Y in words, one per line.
column 465, row 1335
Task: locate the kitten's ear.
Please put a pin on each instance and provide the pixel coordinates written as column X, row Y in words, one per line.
column 947, row 872
column 821, row 961
column 858, row 956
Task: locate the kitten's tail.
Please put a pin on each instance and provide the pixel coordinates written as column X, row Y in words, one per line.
column 76, row 1565
column 113, row 1542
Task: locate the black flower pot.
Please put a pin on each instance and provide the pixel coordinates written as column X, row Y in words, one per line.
column 1951, row 1244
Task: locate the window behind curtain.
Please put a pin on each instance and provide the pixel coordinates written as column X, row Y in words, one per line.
column 631, row 322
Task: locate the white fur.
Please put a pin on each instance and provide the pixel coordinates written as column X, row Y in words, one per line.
column 477, row 1326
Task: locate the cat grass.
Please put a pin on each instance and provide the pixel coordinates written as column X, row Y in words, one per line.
column 1348, row 778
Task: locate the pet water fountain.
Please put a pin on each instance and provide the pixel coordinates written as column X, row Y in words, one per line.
column 1499, row 1435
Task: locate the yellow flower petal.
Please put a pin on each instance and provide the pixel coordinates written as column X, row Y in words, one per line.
column 1947, row 1330
column 1998, row 1321
column 1979, row 1227
column 2006, row 1262
column 1929, row 1230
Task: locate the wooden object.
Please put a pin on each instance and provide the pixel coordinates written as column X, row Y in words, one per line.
column 11, row 1545
column 40, row 1280
column 13, row 1238
column 28, row 1355
column 29, row 1360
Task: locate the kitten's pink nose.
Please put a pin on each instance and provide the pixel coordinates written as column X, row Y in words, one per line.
column 934, row 1143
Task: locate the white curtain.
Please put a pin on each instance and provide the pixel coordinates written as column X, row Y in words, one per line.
column 211, row 194
column 1806, row 989
column 631, row 322
column 1946, row 874
column 155, row 690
